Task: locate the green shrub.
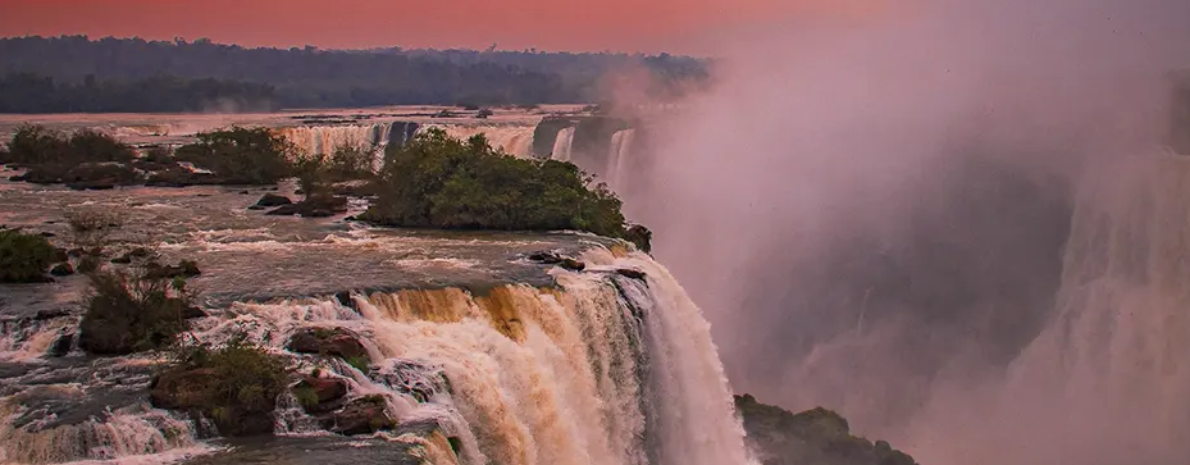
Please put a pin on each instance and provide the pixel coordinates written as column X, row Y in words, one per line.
column 241, row 155
column 351, row 162
column 32, row 144
column 24, row 257
column 128, row 313
column 90, row 230
column 440, row 181
column 38, row 145
column 359, row 363
column 306, row 396
column 94, row 146
column 235, row 385
column 317, row 173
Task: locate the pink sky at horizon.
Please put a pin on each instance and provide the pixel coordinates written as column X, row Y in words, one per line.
column 679, row 26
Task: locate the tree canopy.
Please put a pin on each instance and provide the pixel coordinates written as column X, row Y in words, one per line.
column 74, row 73
column 443, row 182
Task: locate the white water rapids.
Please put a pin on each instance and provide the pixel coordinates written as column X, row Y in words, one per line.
column 602, row 370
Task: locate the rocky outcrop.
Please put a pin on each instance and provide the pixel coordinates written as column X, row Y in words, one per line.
column 184, row 269
column 361, row 416
column 320, row 395
column 189, row 391
column 177, row 176
column 337, row 342
column 62, row 269
column 818, row 437
column 270, row 201
column 314, row 207
column 552, row 258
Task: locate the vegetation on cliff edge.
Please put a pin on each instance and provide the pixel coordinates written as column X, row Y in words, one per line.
column 437, row 181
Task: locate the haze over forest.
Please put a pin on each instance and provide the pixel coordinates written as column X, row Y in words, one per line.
column 78, row 74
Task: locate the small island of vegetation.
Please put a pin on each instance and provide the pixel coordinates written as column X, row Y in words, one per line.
column 437, row 181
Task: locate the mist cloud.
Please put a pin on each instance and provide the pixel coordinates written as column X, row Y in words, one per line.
column 873, row 213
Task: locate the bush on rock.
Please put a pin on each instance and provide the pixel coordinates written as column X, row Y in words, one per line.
column 24, row 257
column 235, row 385
column 443, row 182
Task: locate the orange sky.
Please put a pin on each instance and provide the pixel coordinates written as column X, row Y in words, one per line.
column 619, row 25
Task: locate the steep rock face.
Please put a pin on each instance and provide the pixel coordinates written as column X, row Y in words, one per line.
column 813, row 437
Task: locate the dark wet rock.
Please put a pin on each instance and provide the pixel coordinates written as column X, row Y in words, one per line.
column 100, row 176
column 273, row 200
column 47, row 235
column 62, row 269
column 631, row 274
column 139, row 252
column 245, row 193
column 641, row 237
column 345, row 300
column 191, row 312
column 177, row 176
column 153, row 165
column 363, row 415
column 51, row 313
column 338, row 342
column 62, row 345
column 184, row 269
column 320, row 395
column 415, row 379
column 284, row 210
column 817, row 436
column 553, row 258
column 314, row 450
column 313, row 207
column 61, row 255
column 572, row 264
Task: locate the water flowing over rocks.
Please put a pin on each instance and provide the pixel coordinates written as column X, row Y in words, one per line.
column 427, row 346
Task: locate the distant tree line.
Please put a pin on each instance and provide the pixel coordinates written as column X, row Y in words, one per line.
column 1180, row 121
column 75, row 73
column 34, row 93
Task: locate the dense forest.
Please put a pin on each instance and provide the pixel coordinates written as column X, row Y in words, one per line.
column 75, row 73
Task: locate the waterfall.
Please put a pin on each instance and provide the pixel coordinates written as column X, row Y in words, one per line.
column 617, row 159
column 606, row 368
column 400, row 132
column 324, row 140
column 563, row 144
column 1108, row 380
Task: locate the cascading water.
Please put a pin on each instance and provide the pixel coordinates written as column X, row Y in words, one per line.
column 608, row 368
column 1108, row 379
column 324, row 140
column 617, row 158
column 563, row 144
